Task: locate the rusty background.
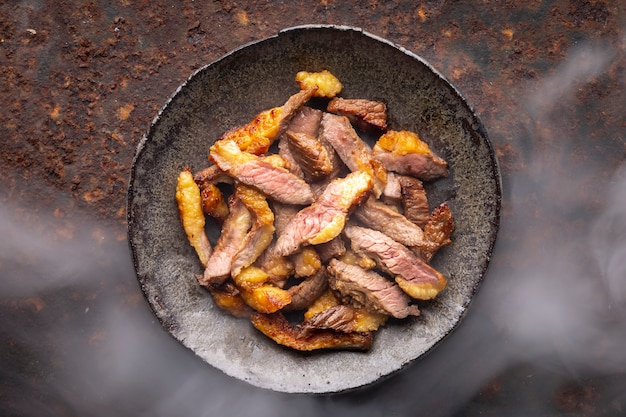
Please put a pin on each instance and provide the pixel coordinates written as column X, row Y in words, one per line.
column 80, row 82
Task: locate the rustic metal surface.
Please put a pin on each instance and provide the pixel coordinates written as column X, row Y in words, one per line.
column 80, row 83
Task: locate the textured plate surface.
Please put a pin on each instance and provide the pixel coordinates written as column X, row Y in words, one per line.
column 228, row 93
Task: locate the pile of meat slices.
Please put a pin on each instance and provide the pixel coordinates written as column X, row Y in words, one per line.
column 325, row 229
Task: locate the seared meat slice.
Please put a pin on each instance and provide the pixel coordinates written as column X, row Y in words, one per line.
column 437, row 231
column 285, row 152
column 367, row 115
column 306, row 120
column 340, row 317
column 369, row 289
column 405, row 153
column 414, row 276
column 323, row 220
column 355, row 153
column 260, row 235
column 256, row 136
column 278, row 267
column 309, row 290
column 230, row 242
column 331, row 249
column 378, row 216
column 283, row 213
column 310, row 154
column 191, row 215
column 276, row 327
column 276, row 182
column 414, row 200
column 317, row 158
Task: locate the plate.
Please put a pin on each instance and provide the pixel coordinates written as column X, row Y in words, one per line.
column 231, row 91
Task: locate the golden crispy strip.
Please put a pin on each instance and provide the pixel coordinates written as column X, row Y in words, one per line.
column 213, row 203
column 256, row 136
column 258, row 294
column 191, row 215
column 228, row 297
column 276, row 327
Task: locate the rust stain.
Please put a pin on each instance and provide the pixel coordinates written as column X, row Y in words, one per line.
column 242, row 18
column 55, row 112
column 421, row 13
column 124, row 112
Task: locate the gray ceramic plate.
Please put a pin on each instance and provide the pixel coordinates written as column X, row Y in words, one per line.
column 228, row 93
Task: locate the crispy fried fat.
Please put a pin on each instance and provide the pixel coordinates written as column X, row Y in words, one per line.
column 191, row 215
column 263, row 297
column 327, row 84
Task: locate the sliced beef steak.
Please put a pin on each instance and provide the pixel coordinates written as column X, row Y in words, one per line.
column 276, row 182
column 309, row 290
column 262, row 231
column 310, row 154
column 230, row 242
column 414, row 276
column 352, row 150
column 393, row 189
column 414, row 200
column 437, row 231
column 306, row 120
column 367, row 115
column 324, row 220
column 378, row 216
column 331, row 249
column 369, row 289
column 284, row 150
